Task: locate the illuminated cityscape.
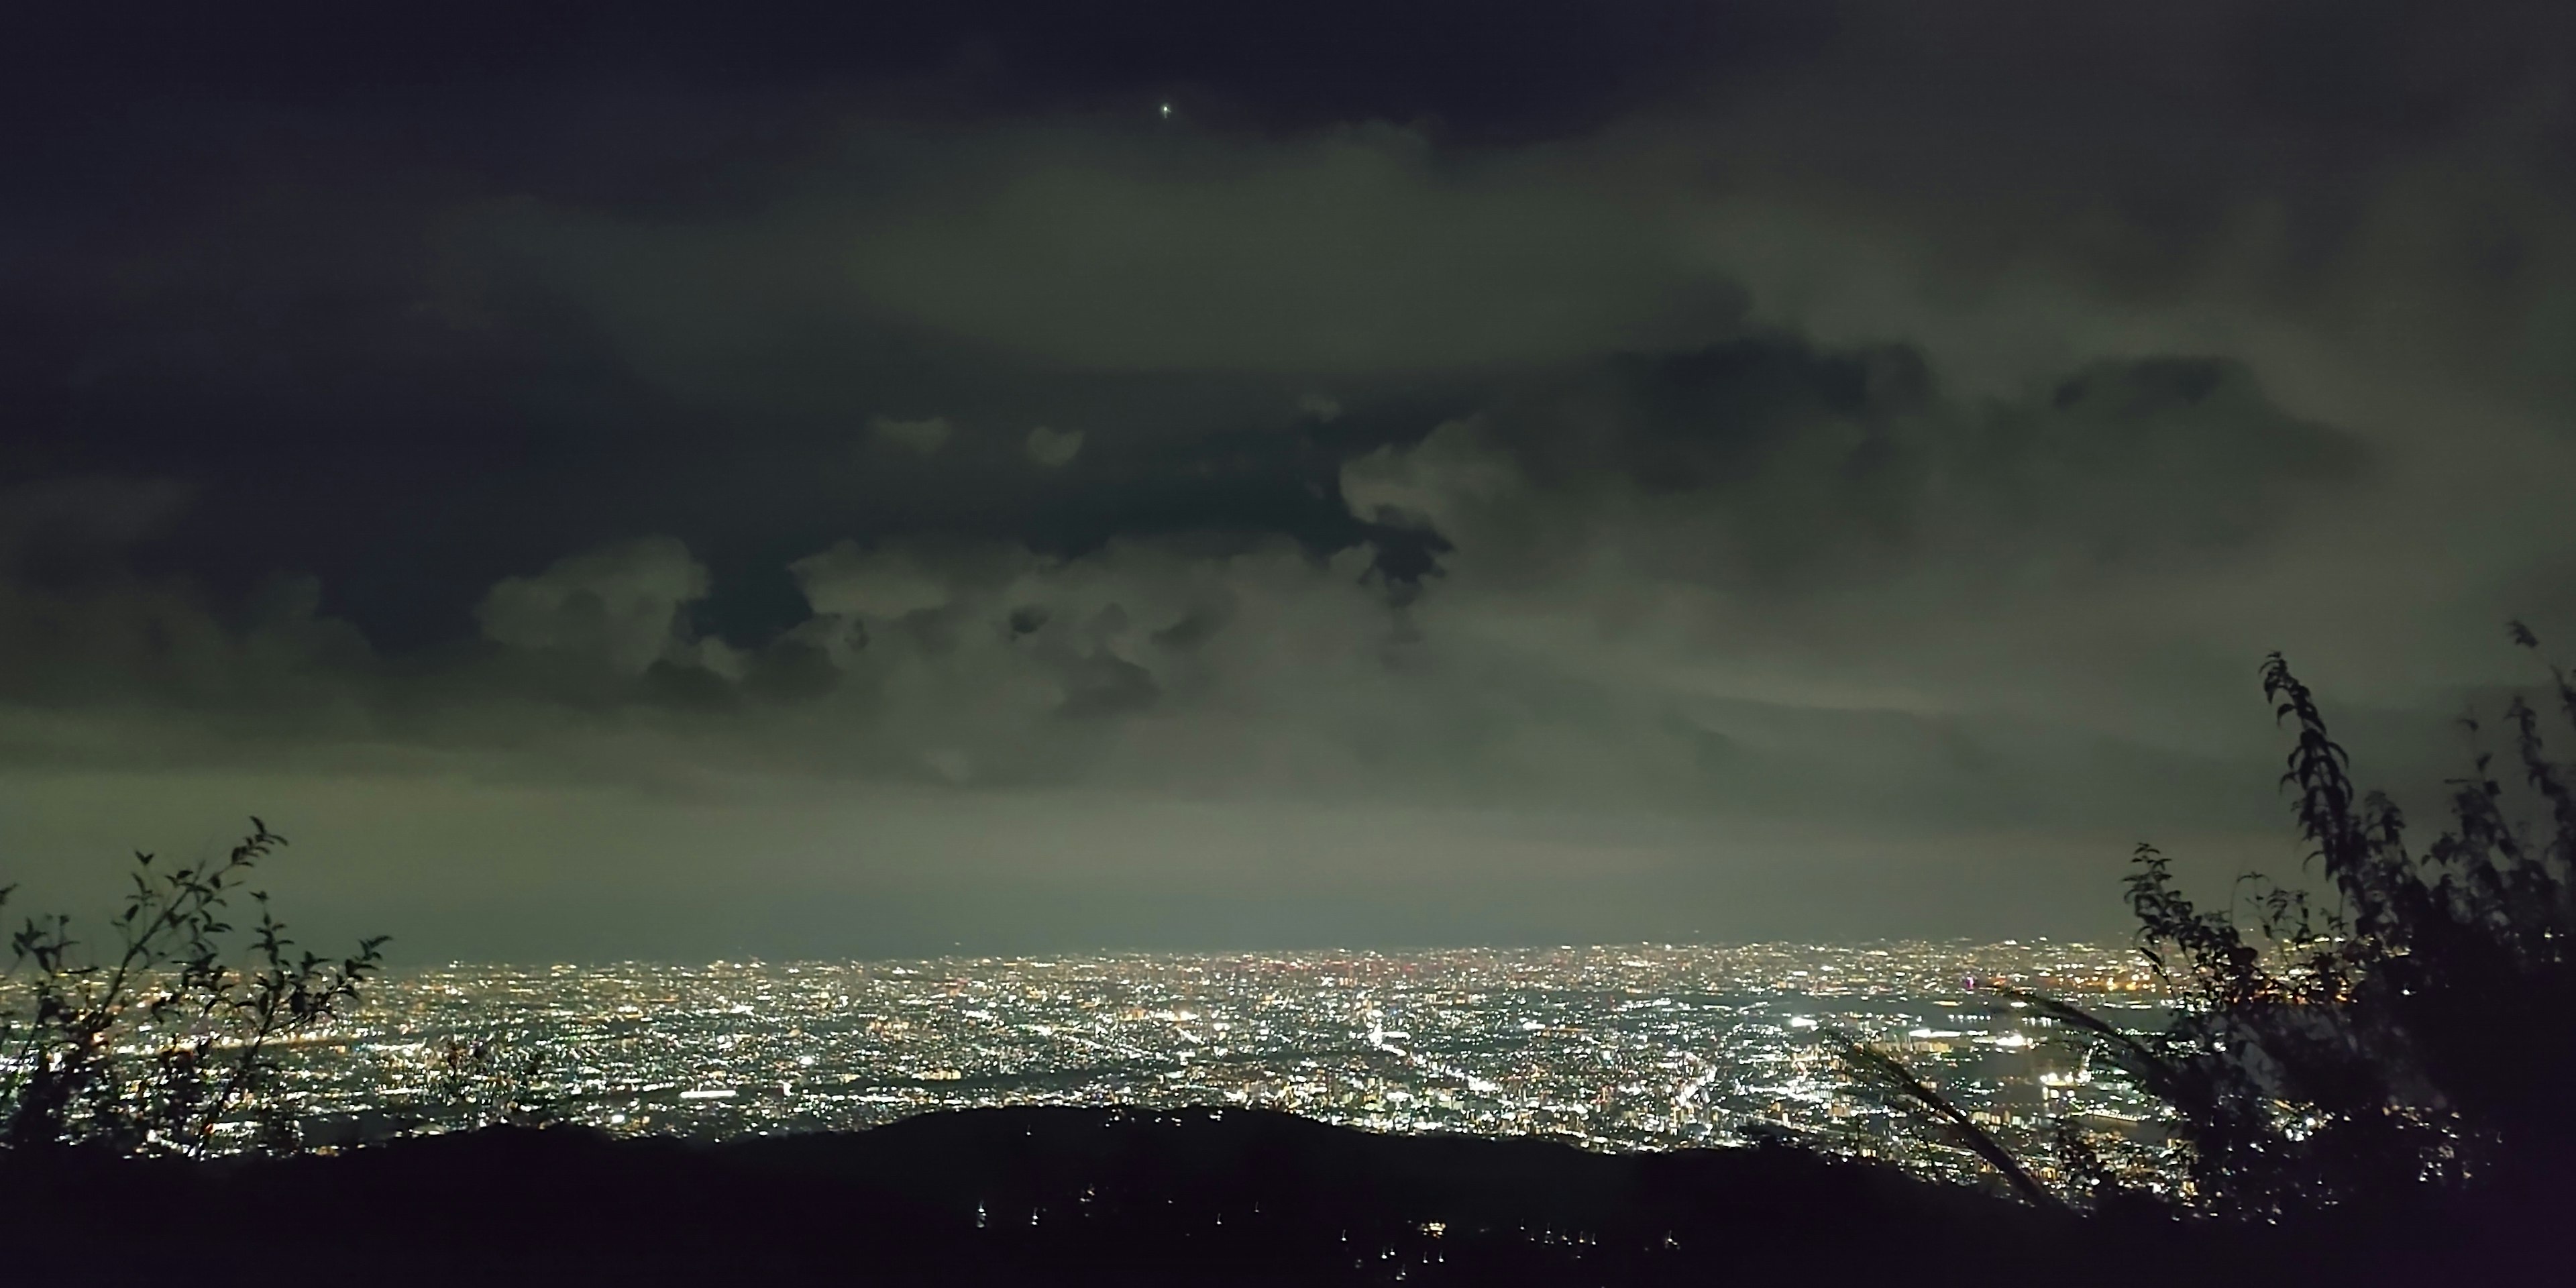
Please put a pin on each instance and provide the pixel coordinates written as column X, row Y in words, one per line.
column 1612, row 1048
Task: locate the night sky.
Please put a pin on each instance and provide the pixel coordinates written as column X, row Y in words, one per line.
column 868, row 480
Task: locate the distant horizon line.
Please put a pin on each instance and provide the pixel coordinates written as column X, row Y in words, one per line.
column 1964, row 941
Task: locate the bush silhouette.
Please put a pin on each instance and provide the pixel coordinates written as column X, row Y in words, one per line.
column 164, row 1043
column 2411, row 1039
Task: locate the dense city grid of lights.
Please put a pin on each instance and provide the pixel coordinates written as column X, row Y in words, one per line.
column 1618, row 1047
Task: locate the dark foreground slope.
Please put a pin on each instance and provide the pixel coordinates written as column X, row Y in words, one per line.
column 1044, row 1196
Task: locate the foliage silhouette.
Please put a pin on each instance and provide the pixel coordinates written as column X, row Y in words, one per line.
column 167, row 1045
column 2409, row 1041
column 1886, row 1075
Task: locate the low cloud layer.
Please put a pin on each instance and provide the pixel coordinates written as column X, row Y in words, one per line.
column 1778, row 470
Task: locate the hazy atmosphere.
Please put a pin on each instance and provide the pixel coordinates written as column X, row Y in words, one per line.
column 834, row 483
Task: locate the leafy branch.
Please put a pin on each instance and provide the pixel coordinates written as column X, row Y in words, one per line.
column 152, row 1050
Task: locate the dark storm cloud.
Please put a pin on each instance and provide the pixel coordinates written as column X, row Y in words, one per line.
column 1769, row 465
column 337, row 274
column 1731, row 432
column 1760, row 473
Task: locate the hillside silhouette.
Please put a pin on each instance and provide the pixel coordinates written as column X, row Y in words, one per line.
column 1109, row 1196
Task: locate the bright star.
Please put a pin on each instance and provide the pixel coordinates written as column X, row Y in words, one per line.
column 1167, row 111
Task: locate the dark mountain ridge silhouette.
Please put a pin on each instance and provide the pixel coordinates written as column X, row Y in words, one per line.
column 1085, row 1196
